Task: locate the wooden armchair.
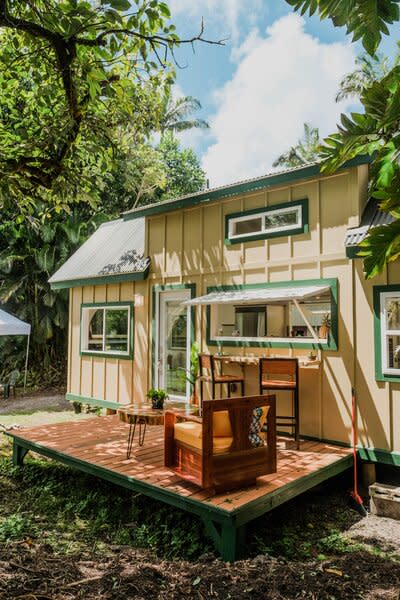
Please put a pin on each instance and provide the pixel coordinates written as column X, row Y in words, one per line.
column 229, row 447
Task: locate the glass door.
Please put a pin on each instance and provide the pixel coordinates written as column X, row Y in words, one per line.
column 173, row 344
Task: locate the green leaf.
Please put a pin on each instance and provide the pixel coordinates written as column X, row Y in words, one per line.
column 120, row 4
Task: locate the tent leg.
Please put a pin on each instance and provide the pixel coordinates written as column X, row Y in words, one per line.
column 26, row 362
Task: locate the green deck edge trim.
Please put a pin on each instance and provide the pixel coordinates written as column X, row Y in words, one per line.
column 101, row 279
column 92, row 401
column 107, row 355
column 239, row 188
column 262, row 505
column 194, row 506
column 334, row 330
column 165, row 288
column 264, row 236
column 377, row 290
column 377, row 455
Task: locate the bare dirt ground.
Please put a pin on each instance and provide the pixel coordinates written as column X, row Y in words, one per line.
column 53, row 400
column 35, row 572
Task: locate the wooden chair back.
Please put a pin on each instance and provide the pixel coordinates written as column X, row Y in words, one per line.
column 205, row 363
column 279, row 366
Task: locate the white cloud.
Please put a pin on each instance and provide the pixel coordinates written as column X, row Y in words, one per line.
column 228, row 14
column 281, row 81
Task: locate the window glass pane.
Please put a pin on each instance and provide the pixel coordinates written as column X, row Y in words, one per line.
column 248, row 226
column 250, row 321
column 393, row 351
column 95, row 337
column 287, row 219
column 392, row 306
column 318, row 314
column 176, row 322
column 116, row 330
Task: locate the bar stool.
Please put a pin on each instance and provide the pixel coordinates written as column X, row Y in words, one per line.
column 207, row 363
column 270, row 369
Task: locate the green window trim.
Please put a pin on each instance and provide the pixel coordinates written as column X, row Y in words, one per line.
column 301, row 205
column 332, row 343
column 168, row 288
column 378, row 290
column 131, row 317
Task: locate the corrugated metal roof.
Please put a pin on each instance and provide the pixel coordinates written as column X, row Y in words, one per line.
column 258, row 295
column 372, row 217
column 116, row 248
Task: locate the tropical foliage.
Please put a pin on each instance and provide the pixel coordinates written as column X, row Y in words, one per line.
column 31, row 248
column 71, row 72
column 305, row 151
column 175, row 113
column 364, row 20
column 82, row 89
column 368, row 70
column 376, row 130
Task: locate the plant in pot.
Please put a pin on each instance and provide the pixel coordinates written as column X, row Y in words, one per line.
column 157, row 397
column 325, row 326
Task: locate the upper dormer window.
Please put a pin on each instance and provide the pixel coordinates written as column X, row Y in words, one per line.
column 282, row 219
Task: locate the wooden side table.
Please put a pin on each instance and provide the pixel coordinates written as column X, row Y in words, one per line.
column 141, row 416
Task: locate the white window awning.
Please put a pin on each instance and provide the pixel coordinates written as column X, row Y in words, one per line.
column 255, row 296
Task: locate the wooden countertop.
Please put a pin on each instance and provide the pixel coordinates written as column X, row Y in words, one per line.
column 254, row 360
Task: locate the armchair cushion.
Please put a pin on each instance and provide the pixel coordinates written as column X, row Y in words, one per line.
column 221, row 424
column 191, row 434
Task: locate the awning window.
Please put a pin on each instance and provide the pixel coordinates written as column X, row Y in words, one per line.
column 255, row 296
column 293, row 313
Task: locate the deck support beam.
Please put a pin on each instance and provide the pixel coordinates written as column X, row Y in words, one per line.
column 228, row 538
column 18, row 455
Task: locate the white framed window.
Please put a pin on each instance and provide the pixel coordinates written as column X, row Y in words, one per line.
column 106, row 329
column 390, row 332
column 288, row 218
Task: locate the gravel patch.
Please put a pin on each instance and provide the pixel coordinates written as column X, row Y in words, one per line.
column 377, row 531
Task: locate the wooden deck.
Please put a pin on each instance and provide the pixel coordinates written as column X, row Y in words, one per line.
column 98, row 446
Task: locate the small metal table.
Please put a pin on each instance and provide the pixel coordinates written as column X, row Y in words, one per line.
column 141, row 416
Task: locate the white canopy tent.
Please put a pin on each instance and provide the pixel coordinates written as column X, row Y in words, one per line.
column 10, row 325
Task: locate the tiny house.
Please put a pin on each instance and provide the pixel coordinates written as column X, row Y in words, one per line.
column 262, row 267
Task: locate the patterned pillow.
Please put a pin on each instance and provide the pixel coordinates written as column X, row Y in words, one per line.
column 256, row 424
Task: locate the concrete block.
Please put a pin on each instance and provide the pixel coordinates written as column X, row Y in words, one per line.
column 385, row 500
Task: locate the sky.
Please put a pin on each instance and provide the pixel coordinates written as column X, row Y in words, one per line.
column 275, row 71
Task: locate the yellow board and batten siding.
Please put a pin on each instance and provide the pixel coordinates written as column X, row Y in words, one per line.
column 187, row 246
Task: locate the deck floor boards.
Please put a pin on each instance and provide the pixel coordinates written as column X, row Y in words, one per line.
column 103, row 442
